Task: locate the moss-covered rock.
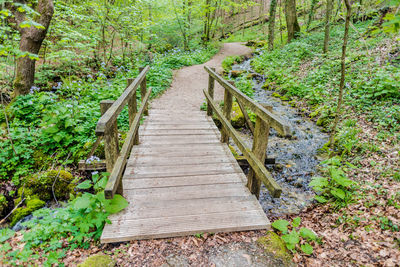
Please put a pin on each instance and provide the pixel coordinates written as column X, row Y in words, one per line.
column 275, row 94
column 40, row 185
column 3, row 204
column 98, row 260
column 236, row 73
column 273, row 245
column 256, row 43
column 31, row 206
column 237, row 117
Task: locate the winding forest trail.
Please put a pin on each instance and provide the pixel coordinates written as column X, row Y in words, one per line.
column 180, row 179
column 186, row 91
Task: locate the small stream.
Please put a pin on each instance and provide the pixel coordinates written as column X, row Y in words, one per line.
column 296, row 159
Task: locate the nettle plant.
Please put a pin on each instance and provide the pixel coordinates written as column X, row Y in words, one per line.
column 335, row 187
column 296, row 239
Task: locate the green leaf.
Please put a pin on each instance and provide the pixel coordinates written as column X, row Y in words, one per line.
column 338, row 193
column 307, row 248
column 307, row 234
column 5, row 234
column 51, row 129
column 318, row 183
column 280, row 225
column 58, row 137
column 84, row 185
column 296, row 222
column 82, row 202
column 320, row 199
column 116, row 204
column 291, row 239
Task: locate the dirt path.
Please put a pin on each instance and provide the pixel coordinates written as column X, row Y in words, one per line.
column 185, row 92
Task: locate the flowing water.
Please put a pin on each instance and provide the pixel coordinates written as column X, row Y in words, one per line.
column 296, row 158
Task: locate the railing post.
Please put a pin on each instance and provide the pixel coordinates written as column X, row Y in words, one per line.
column 143, row 88
column 132, row 108
column 228, row 99
column 111, row 145
column 211, row 83
column 260, row 143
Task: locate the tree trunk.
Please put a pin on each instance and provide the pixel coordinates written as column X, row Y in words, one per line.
column 292, row 24
column 31, row 41
column 329, row 4
column 311, row 14
column 343, row 73
column 271, row 26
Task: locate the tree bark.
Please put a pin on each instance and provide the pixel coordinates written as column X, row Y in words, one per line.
column 343, row 74
column 31, row 41
column 271, row 25
column 311, row 14
column 292, row 24
column 329, row 6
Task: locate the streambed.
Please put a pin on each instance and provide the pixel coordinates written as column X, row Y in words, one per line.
column 296, row 159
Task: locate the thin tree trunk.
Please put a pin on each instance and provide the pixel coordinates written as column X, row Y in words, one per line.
column 280, row 20
column 329, row 4
column 271, row 25
column 292, row 25
column 31, row 41
column 343, row 73
column 311, row 14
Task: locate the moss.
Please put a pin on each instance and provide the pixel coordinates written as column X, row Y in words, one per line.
column 3, row 203
column 98, row 260
column 275, row 94
column 235, row 154
column 31, row 206
column 40, row 185
column 292, row 103
column 236, row 73
column 285, row 98
column 273, row 245
column 265, row 86
column 237, row 117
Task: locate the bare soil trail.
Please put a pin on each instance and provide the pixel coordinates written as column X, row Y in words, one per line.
column 186, row 91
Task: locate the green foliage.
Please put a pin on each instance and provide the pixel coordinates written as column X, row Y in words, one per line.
column 296, row 239
column 336, row 187
column 229, row 61
column 245, row 85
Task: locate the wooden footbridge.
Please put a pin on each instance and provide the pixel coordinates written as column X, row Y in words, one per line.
column 177, row 171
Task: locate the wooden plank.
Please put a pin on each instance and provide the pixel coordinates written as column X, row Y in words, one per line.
column 228, row 101
column 275, row 122
column 174, row 161
column 177, row 139
column 112, row 113
column 169, row 126
column 183, row 180
column 165, row 209
column 185, row 170
column 114, row 183
column 211, row 84
column 126, row 230
column 164, row 132
column 111, row 142
column 257, row 166
column 187, row 192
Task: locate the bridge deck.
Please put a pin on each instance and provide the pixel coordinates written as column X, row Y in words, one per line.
column 182, row 180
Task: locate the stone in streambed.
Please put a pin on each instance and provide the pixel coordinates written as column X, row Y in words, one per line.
column 273, row 245
column 98, row 260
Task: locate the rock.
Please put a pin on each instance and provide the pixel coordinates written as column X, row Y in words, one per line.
column 3, row 204
column 40, row 185
column 273, row 245
column 256, row 43
column 177, row 261
column 98, row 260
column 31, row 206
column 236, row 73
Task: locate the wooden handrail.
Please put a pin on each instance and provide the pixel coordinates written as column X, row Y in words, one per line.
column 273, row 120
column 256, row 165
column 110, row 116
column 114, row 181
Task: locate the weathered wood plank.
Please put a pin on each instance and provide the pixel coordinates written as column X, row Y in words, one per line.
column 126, row 230
column 172, row 208
column 275, row 122
column 111, row 142
column 174, row 161
column 188, row 132
column 257, row 166
column 110, row 117
column 168, row 171
column 211, row 84
column 184, row 180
